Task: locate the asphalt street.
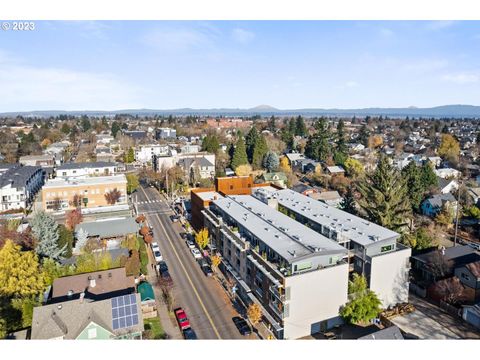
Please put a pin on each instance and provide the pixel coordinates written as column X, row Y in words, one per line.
column 207, row 306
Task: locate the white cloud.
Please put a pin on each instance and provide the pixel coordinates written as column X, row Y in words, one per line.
column 180, row 38
column 424, row 65
column 386, row 32
column 439, row 24
column 462, row 78
column 27, row 87
column 242, row 36
column 351, row 84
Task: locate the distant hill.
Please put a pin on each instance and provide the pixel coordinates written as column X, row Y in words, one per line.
column 454, row 111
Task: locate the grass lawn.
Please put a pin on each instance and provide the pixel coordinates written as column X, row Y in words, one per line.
column 154, row 328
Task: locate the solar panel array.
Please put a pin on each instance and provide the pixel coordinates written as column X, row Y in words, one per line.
column 124, row 311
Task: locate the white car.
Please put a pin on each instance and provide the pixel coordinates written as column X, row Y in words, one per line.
column 154, row 246
column 190, row 243
column 158, row 255
column 196, row 253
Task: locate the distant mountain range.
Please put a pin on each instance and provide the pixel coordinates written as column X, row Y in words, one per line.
column 455, row 111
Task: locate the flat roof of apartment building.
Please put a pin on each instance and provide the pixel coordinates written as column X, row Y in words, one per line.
column 93, row 180
column 208, row 195
column 287, row 237
column 359, row 230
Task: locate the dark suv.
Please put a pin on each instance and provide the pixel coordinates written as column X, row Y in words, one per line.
column 242, row 325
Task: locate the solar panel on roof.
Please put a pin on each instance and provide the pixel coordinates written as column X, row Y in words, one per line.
column 124, row 311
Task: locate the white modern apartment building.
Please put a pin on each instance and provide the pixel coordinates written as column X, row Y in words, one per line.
column 293, row 255
column 73, row 170
column 146, row 153
column 19, row 185
column 297, row 276
column 373, row 249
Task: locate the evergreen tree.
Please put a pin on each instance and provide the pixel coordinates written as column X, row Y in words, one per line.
column 317, row 146
column 210, row 143
column 86, row 125
column 251, row 141
column 384, row 197
column 363, row 135
column 341, row 150
column 300, row 127
column 271, row 161
column 271, row 125
column 348, row 203
column 428, row 176
column 415, row 188
column 292, row 126
column 130, row 156
column 259, row 150
column 115, row 128
column 45, row 229
column 240, row 154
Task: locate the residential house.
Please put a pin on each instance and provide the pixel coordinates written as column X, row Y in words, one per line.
column 447, row 173
column 275, row 178
column 447, row 185
column 471, row 314
column 331, row 198
column 389, row 333
column 136, row 135
column 38, row 160
column 436, row 203
column 474, row 193
column 469, row 275
column 80, row 319
column 335, row 170
column 304, row 189
column 92, row 286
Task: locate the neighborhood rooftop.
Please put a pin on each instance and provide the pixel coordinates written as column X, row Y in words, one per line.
column 107, row 228
column 17, row 176
column 355, row 228
column 82, row 165
column 290, row 239
column 94, row 180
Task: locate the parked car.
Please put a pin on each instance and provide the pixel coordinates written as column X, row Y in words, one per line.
column 174, row 218
column 154, row 246
column 207, row 270
column 242, row 325
column 475, row 246
column 189, row 334
column 196, row 253
column 163, row 270
column 182, row 318
column 158, row 255
column 190, row 243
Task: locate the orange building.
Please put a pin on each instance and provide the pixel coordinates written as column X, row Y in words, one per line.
column 201, row 198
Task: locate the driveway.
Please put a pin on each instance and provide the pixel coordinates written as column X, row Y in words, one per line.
column 430, row 322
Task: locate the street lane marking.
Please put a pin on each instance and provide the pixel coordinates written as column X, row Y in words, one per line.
column 186, row 274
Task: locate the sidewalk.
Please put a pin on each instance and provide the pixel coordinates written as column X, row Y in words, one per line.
column 169, row 326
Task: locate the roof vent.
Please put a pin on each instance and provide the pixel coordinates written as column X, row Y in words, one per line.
column 92, row 283
column 70, row 293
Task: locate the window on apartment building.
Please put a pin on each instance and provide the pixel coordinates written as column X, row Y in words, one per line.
column 386, row 248
column 465, row 276
column 231, row 187
column 92, row 333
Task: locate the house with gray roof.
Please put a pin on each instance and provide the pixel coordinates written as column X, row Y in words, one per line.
column 202, row 166
column 115, row 318
column 434, row 204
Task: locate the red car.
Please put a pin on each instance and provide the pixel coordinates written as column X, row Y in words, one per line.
column 182, row 319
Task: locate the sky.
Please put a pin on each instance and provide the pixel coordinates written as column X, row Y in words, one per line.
column 114, row 65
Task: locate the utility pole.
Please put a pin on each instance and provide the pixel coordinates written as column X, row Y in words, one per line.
column 457, row 212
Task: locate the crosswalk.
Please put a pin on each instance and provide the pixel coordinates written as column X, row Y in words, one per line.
column 148, row 202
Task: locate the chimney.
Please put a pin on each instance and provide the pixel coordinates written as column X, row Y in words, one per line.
column 82, row 296
column 92, row 283
column 70, row 293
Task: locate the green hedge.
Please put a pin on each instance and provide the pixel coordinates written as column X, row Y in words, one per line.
column 143, row 255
